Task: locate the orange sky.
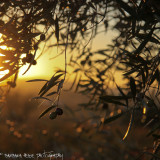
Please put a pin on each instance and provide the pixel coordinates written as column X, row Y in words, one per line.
column 45, row 67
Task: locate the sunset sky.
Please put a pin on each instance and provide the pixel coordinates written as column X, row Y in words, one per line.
column 45, row 66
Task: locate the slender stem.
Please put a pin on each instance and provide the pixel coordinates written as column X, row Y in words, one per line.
column 66, row 50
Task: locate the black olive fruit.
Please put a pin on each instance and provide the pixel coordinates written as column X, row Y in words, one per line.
column 83, row 62
column 53, row 115
column 42, row 37
column 59, row 111
column 34, row 62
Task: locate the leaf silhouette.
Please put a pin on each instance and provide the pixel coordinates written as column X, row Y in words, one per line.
column 46, row 111
column 115, row 99
column 52, row 93
column 133, row 87
column 57, row 29
column 11, row 72
column 43, row 88
column 120, row 90
column 74, row 81
column 42, row 98
column 130, row 72
column 37, row 80
column 143, row 44
column 91, row 5
column 127, row 8
column 52, row 82
column 60, row 85
column 112, row 118
column 154, row 77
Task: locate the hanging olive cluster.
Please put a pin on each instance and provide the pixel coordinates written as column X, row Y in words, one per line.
column 30, row 57
column 54, row 114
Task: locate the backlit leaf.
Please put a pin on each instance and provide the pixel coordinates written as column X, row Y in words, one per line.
column 46, row 111
column 44, row 98
column 52, row 82
column 133, row 87
column 36, row 80
column 112, row 118
column 129, row 126
column 52, row 93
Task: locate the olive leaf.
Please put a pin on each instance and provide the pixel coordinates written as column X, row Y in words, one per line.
column 51, row 83
column 133, row 87
column 46, row 111
column 112, row 118
column 37, row 80
column 57, row 29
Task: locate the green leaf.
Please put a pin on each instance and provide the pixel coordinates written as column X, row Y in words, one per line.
column 46, row 111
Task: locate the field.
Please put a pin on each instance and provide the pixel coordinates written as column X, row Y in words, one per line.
column 74, row 134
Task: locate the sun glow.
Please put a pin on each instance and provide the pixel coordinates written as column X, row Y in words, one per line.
column 3, row 47
column 3, row 72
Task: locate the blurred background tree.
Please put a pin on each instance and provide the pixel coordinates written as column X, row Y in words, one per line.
column 134, row 52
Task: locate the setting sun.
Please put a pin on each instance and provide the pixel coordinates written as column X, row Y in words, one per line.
column 3, row 73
